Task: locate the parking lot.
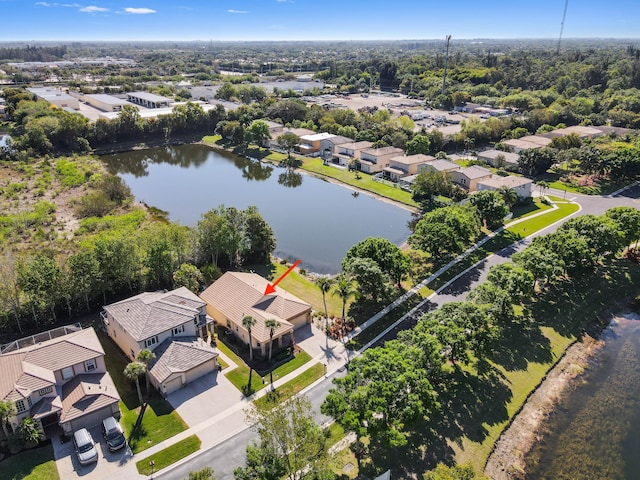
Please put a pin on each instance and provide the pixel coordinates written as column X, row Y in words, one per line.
column 110, row 465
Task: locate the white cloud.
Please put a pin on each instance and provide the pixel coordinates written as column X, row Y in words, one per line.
column 139, row 11
column 237, row 11
column 45, row 4
column 93, row 9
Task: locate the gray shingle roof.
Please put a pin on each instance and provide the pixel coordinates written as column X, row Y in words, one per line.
column 152, row 313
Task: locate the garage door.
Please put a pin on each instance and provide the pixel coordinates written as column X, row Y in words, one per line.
column 91, row 420
column 299, row 321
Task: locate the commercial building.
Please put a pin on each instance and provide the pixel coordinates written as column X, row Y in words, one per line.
column 104, row 102
column 55, row 97
column 148, row 100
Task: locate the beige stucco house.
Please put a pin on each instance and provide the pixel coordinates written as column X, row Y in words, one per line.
column 310, row 144
column 438, row 165
column 237, row 294
column 469, row 177
column 403, row 166
column 373, row 160
column 174, row 325
column 500, row 159
column 59, row 378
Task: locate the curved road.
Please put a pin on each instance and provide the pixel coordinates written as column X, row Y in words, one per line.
column 230, row 453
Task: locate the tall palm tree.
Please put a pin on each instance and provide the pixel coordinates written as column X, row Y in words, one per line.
column 344, row 289
column 144, row 357
column 248, row 322
column 271, row 324
column 509, row 195
column 134, row 371
column 324, row 284
column 543, row 186
column 7, row 410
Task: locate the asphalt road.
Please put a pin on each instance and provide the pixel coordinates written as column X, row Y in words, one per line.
column 231, row 453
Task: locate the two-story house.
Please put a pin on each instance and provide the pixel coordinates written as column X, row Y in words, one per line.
column 59, row 378
column 347, row 152
column 373, row 160
column 174, row 325
column 328, row 146
column 469, row 177
column 522, row 186
column 403, row 166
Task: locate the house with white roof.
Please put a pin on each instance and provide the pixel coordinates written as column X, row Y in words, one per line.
column 174, row 325
column 236, row 295
column 58, row 378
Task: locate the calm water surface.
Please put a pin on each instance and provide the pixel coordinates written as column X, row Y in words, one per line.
column 313, row 220
column 595, row 434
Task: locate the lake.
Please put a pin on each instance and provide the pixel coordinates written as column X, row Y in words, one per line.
column 313, row 220
column 595, row 431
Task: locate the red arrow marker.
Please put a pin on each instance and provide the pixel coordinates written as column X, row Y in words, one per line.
column 271, row 288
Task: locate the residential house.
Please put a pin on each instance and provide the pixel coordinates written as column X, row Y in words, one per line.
column 373, row 160
column 347, row 152
column 500, row 159
column 405, row 165
column 438, row 165
column 469, row 177
column 328, row 145
column 521, row 185
column 59, row 378
column 174, row 325
column 300, row 132
column 528, row 142
column 310, row 144
column 581, row 131
column 236, row 295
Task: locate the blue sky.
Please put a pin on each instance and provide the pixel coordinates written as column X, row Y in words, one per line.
column 27, row 20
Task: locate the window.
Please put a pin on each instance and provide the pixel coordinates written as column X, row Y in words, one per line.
column 90, row 365
column 44, row 391
column 67, row 373
column 29, row 401
column 20, row 406
column 151, row 341
column 177, row 330
column 228, row 324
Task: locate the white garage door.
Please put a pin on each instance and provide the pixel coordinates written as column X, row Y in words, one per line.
column 91, row 419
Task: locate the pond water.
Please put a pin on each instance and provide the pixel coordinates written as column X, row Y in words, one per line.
column 595, row 432
column 313, row 220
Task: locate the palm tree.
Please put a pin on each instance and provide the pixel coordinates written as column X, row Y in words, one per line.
column 509, row 195
column 543, row 186
column 134, row 371
column 344, row 289
column 29, row 432
column 324, row 284
column 248, row 322
column 7, row 410
column 271, row 324
column 144, row 357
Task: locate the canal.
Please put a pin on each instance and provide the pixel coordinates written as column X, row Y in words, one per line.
column 313, row 220
column 595, row 431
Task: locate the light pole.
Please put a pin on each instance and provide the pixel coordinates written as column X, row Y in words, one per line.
column 152, row 464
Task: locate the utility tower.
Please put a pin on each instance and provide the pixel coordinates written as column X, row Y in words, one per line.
column 446, row 63
column 564, row 14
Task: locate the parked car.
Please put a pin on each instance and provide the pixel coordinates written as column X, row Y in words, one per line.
column 85, row 447
column 112, row 432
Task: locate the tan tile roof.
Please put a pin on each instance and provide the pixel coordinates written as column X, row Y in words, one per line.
column 357, row 145
column 413, row 159
column 382, row 151
column 442, row 165
column 152, row 313
column 475, row 171
column 179, row 355
column 87, row 393
column 32, row 368
column 237, row 294
column 46, row 406
column 510, row 181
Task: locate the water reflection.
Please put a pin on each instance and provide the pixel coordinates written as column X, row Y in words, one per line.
column 290, row 179
column 312, row 219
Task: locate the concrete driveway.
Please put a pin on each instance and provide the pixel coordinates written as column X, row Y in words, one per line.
column 110, row 466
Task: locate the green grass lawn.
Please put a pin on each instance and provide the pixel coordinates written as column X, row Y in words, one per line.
column 523, row 211
column 292, row 387
column 365, row 182
column 169, row 455
column 36, row 464
column 160, row 420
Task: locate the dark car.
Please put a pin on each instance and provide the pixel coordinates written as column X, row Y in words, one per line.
column 112, row 432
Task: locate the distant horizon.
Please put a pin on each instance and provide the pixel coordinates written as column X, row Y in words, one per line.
column 303, row 20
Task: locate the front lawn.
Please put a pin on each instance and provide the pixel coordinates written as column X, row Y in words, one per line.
column 160, row 420
column 36, row 464
column 169, row 455
column 292, row 387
